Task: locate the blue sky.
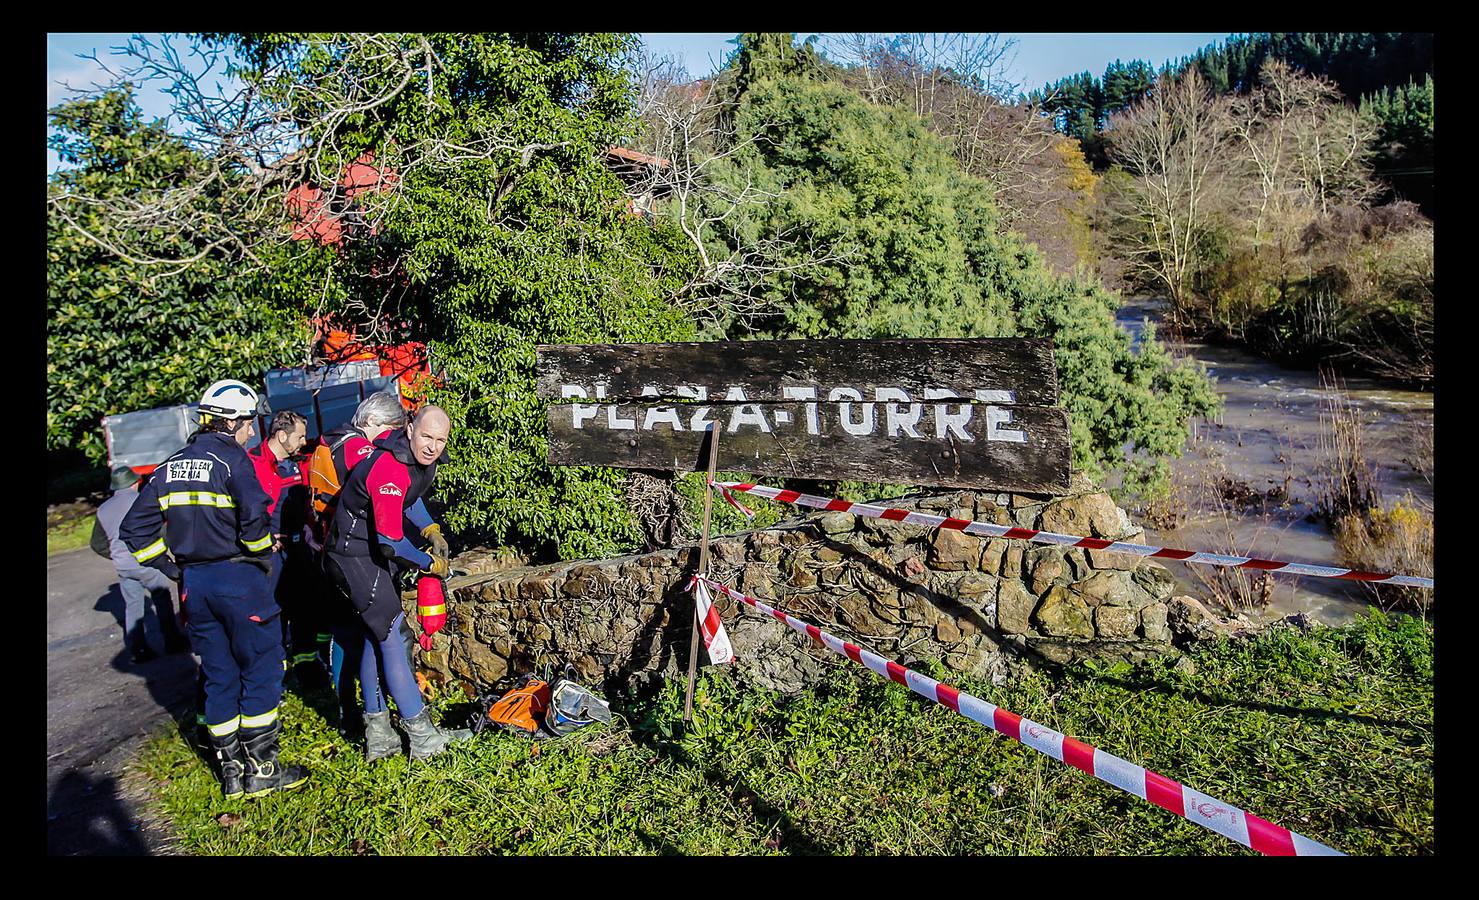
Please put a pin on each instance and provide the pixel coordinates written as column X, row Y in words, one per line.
column 1040, row 57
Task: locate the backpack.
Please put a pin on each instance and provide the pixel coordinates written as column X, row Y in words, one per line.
column 536, row 709
column 521, row 709
column 325, row 479
column 572, row 706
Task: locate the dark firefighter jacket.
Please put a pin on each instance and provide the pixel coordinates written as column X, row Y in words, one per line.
column 209, row 496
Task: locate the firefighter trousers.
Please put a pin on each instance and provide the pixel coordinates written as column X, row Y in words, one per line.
column 235, row 631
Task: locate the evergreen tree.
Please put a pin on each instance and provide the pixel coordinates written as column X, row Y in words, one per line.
column 493, row 255
column 1124, row 85
column 926, row 257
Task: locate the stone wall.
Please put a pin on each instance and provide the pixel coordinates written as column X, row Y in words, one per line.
column 911, row 593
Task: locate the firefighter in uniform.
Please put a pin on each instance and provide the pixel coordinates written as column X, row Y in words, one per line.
column 220, row 539
column 367, row 546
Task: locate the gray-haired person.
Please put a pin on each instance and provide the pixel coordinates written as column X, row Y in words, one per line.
column 138, row 583
column 339, row 451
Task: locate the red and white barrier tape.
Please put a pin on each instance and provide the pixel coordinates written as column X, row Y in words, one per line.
column 729, row 498
column 716, row 639
column 1047, row 537
column 1192, row 805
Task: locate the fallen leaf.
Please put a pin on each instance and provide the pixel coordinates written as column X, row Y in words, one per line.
column 533, row 749
column 226, row 820
column 360, row 846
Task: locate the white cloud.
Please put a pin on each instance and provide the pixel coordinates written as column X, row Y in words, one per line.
column 82, row 73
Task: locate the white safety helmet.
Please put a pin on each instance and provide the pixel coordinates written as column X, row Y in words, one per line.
column 230, row 399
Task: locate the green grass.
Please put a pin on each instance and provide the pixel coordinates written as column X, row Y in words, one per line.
column 1328, row 733
column 71, row 534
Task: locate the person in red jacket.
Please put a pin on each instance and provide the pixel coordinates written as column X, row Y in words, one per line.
column 277, row 470
column 368, row 545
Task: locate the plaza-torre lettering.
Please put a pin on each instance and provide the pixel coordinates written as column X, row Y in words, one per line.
column 977, row 413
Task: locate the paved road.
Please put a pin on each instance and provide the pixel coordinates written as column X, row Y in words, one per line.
column 99, row 709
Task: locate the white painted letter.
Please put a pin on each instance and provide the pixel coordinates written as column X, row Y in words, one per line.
column 813, row 426
column 896, row 420
column 579, row 412
column 845, row 409
column 945, row 421
column 668, row 414
column 740, row 417
column 996, row 417
column 616, row 423
column 698, row 392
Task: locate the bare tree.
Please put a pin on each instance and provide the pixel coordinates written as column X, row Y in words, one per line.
column 696, row 169
column 1332, row 142
column 271, row 162
column 1304, row 149
column 921, row 70
column 960, row 85
column 1174, row 146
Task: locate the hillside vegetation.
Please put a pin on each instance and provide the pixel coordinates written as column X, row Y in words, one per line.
column 817, row 213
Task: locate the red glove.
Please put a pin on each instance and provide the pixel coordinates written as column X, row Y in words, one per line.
column 431, row 608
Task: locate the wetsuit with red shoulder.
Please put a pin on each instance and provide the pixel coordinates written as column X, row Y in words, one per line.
column 368, row 529
column 351, row 453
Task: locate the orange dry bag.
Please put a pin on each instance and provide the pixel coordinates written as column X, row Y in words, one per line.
column 323, row 478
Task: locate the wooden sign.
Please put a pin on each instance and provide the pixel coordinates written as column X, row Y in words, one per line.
column 967, row 413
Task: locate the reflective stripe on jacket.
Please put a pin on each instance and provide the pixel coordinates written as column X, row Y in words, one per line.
column 209, row 494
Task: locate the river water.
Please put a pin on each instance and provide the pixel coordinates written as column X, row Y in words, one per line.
column 1267, row 436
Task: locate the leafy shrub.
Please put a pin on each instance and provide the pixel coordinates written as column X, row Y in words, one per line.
column 1397, row 539
column 493, row 255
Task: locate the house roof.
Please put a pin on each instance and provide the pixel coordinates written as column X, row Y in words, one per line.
column 633, row 156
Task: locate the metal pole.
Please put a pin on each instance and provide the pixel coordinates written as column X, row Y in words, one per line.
column 703, row 569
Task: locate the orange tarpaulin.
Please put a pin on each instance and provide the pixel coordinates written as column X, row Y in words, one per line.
column 408, row 361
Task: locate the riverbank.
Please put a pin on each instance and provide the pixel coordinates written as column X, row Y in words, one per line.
column 1327, row 731
column 1267, row 444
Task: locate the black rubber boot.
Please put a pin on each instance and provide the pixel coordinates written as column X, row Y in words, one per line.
column 142, row 653
column 381, row 738
column 427, row 740
column 232, row 760
column 264, row 774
